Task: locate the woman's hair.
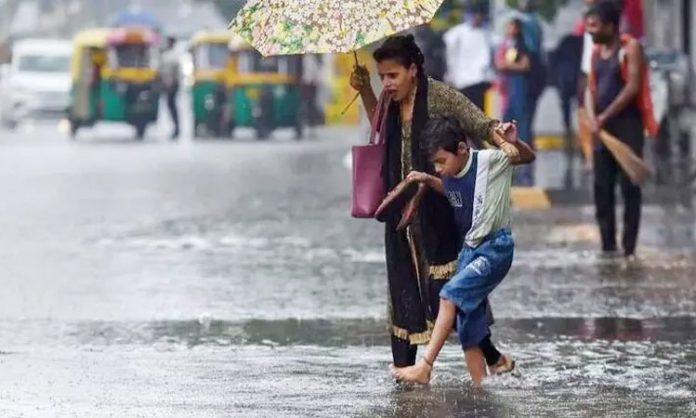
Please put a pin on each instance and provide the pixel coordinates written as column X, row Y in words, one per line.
column 401, row 48
column 442, row 133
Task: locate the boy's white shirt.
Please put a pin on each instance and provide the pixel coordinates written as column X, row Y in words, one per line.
column 491, row 205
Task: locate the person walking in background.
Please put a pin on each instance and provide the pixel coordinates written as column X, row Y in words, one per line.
column 615, row 101
column 566, row 63
column 433, row 47
column 633, row 18
column 311, row 81
column 533, row 35
column 513, row 63
column 169, row 73
column 469, row 56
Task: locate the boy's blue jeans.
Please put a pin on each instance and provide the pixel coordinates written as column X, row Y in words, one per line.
column 479, row 271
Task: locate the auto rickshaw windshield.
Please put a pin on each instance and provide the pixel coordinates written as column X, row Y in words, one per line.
column 211, row 56
column 253, row 62
column 132, row 56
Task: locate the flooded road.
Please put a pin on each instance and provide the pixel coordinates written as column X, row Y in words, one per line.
column 219, row 278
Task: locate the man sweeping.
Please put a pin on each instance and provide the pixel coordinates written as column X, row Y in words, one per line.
column 617, row 101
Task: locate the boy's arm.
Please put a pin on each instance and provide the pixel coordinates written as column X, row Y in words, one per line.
column 524, row 153
column 431, row 181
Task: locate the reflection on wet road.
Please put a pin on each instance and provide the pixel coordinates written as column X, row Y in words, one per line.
column 227, row 279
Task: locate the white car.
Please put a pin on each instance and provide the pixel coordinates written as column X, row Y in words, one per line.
column 37, row 82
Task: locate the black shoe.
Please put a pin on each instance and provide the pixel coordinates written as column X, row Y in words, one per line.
column 174, row 135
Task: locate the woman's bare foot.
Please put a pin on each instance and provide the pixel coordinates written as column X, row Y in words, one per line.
column 418, row 373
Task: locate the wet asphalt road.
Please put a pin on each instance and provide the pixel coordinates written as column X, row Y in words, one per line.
column 219, row 278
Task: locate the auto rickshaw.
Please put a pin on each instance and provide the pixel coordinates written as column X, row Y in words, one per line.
column 213, row 68
column 265, row 92
column 114, row 78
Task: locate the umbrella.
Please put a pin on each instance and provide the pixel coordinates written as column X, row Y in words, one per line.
column 282, row 27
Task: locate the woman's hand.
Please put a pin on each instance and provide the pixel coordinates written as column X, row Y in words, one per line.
column 360, row 78
column 417, row 177
column 508, row 131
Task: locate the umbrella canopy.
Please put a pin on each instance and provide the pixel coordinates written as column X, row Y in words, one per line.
column 280, row 27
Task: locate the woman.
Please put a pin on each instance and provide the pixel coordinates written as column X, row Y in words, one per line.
column 421, row 258
column 513, row 63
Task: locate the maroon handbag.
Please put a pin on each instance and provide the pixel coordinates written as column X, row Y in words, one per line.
column 368, row 185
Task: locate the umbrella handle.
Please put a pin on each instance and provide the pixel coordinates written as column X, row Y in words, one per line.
column 343, row 112
column 345, row 109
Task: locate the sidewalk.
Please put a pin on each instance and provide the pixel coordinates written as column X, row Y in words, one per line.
column 566, row 182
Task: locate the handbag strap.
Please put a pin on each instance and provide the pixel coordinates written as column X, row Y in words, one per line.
column 379, row 119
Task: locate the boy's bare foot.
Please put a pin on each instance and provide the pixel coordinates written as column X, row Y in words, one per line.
column 504, row 365
column 418, row 373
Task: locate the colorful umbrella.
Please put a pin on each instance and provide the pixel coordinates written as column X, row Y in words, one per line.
column 282, row 27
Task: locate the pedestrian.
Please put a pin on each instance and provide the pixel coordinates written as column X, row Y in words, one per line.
column 566, row 65
column 533, row 35
column 312, row 77
column 632, row 21
column 421, row 258
column 169, row 73
column 513, row 63
column 615, row 101
column 434, row 50
column 469, row 57
column 477, row 184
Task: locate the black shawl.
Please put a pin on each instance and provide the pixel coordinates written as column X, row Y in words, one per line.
column 436, row 236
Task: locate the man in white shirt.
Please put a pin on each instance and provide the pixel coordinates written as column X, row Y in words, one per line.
column 169, row 73
column 469, row 57
column 312, row 79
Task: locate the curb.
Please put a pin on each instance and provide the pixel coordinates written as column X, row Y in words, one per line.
column 537, row 198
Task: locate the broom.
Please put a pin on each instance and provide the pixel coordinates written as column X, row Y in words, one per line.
column 635, row 168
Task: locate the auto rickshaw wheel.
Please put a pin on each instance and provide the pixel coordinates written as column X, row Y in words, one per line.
column 262, row 133
column 140, row 129
column 230, row 130
column 299, row 132
column 74, row 127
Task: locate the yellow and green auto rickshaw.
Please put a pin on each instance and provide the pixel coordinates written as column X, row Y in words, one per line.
column 213, row 69
column 265, row 92
column 114, row 78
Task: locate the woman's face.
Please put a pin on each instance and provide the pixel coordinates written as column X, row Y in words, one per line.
column 397, row 79
column 511, row 30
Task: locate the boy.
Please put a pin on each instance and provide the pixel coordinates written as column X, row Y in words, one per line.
column 477, row 184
